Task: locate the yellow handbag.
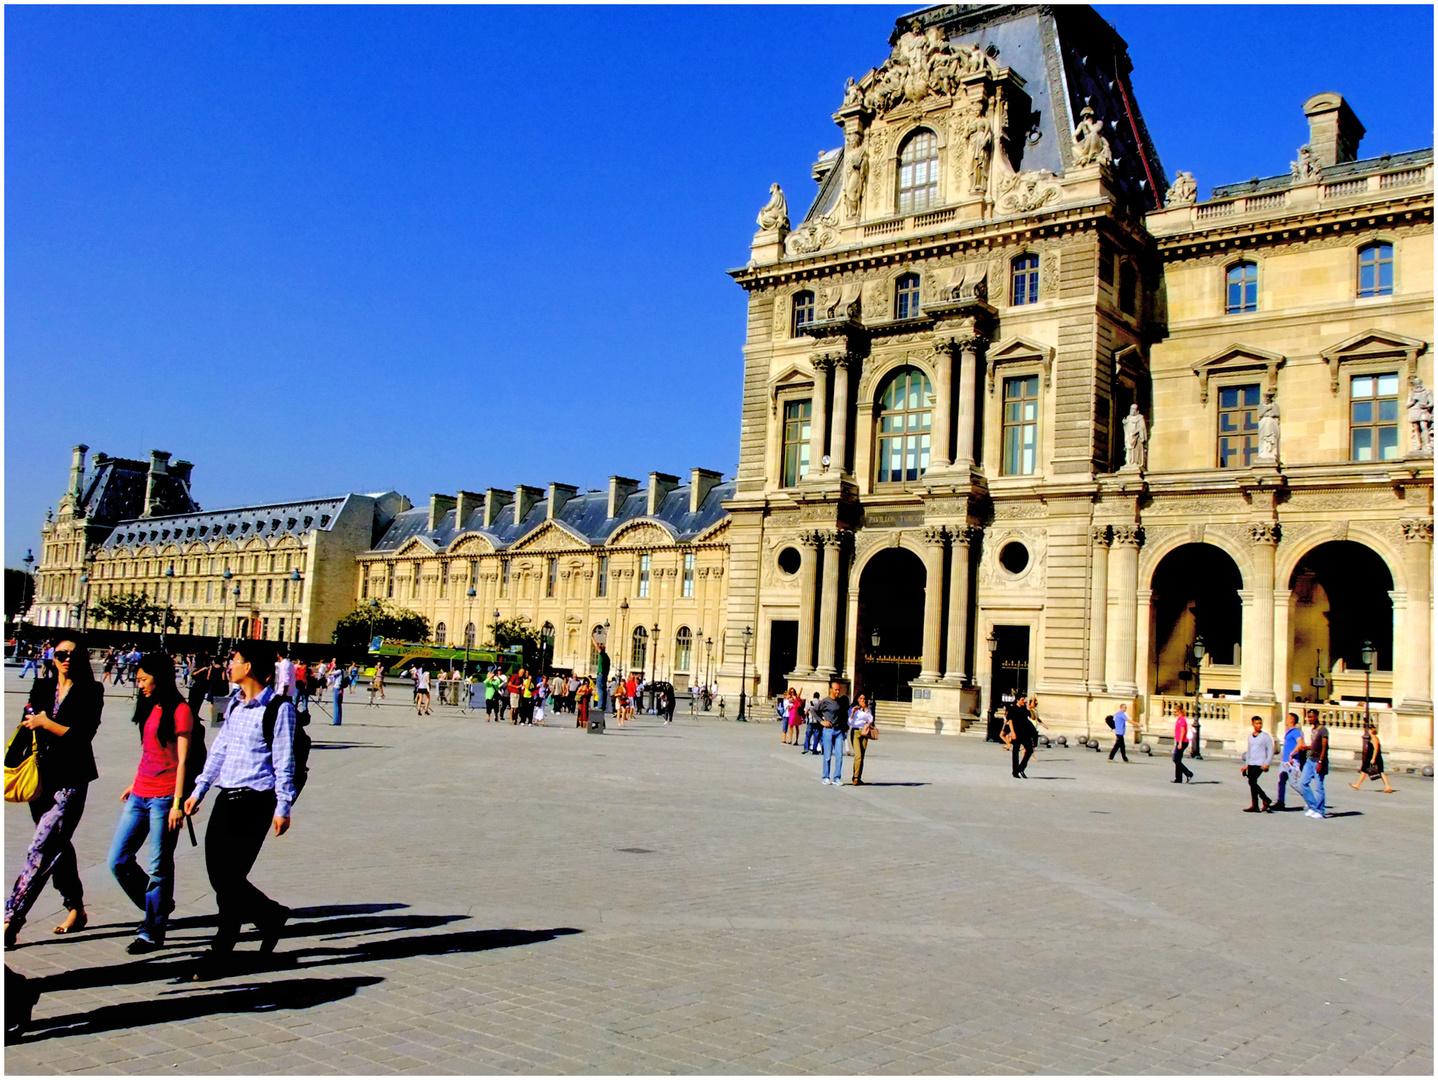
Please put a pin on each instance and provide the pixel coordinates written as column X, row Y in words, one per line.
column 22, row 780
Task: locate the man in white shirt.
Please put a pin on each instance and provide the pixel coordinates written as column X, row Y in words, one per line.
column 285, row 677
column 1255, row 764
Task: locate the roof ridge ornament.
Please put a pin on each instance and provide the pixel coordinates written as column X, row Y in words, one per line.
column 923, row 62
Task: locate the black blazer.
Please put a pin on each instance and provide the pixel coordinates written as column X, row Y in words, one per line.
column 68, row 761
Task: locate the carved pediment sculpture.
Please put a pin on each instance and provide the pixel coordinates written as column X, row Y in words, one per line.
column 922, row 63
column 1090, row 146
column 1306, row 167
column 1182, row 192
column 1022, row 192
column 843, row 302
column 813, row 236
column 968, row 281
column 642, row 535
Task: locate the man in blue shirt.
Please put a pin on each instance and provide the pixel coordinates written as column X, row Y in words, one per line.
column 1120, row 727
column 1292, row 737
column 255, row 776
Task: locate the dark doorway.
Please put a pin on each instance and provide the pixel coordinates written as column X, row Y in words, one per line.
column 1011, row 663
column 891, row 624
column 1340, row 594
column 1195, row 594
column 783, row 653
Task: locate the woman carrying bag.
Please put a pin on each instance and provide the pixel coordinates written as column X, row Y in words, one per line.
column 153, row 803
column 63, row 713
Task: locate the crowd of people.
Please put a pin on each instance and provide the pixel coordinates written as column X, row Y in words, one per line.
column 832, row 728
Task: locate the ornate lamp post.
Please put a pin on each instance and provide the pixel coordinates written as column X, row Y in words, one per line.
column 469, row 621
column 744, row 675
column 708, row 666
column 1369, row 654
column 165, row 618
column 1198, row 655
column 29, row 561
column 991, row 735
column 237, row 610
column 294, row 599
column 653, row 664
column 224, row 598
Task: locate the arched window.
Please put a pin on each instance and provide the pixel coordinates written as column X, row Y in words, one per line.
column 1242, row 280
column 918, row 172
column 1026, row 279
column 439, row 633
column 1375, row 270
column 469, row 635
column 683, row 648
column 905, row 418
column 906, row 296
column 639, row 650
column 803, row 312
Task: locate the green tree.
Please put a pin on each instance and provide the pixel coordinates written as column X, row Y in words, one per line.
column 396, row 623
column 519, row 631
column 19, row 592
column 129, row 610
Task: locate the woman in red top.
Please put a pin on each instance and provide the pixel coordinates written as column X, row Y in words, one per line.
column 153, row 803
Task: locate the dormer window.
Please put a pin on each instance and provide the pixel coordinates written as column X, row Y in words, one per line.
column 1026, row 279
column 803, row 312
column 906, row 296
column 919, row 172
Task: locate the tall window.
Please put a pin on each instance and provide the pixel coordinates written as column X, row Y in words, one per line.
column 906, row 296
column 1026, row 279
column 439, row 633
column 1373, row 418
column 389, row 581
column 644, row 575
column 1021, row 425
column 601, row 579
column 364, row 584
column 796, row 440
column 683, row 648
column 918, row 172
column 551, row 576
column 803, row 312
column 905, row 419
column 1128, row 289
column 1237, row 426
column 469, row 635
column 415, row 570
column 503, row 577
column 639, row 649
column 474, row 574
column 443, row 580
column 1375, row 270
column 546, row 646
column 688, row 573
column 1242, row 288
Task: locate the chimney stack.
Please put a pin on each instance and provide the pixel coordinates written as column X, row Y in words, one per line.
column 77, row 470
column 466, row 504
column 524, row 498
column 159, row 466
column 1333, row 131
column 701, row 482
column 559, row 494
column 660, row 485
column 439, row 505
column 180, row 470
column 495, row 500
column 620, row 488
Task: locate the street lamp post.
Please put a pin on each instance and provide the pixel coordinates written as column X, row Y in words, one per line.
column 1198, row 655
column 1369, row 654
column 991, row 735
column 744, row 675
column 165, row 618
column 237, row 610
column 294, row 599
column 653, row 665
column 224, row 598
column 84, row 601
column 29, row 561
column 708, row 665
column 468, row 623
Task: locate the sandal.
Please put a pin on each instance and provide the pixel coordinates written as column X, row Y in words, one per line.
column 79, row 920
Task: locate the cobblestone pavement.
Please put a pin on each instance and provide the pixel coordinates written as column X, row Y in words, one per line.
column 482, row 898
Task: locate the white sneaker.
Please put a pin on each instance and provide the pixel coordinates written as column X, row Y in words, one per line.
column 824, row 780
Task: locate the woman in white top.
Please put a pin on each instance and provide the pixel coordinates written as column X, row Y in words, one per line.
column 861, row 723
column 421, row 691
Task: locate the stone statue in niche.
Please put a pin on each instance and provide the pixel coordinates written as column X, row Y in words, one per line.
column 1183, row 191
column 1090, row 146
column 1268, row 432
column 1420, row 415
column 856, row 174
column 1135, row 440
column 775, row 215
column 1305, row 168
column 980, row 137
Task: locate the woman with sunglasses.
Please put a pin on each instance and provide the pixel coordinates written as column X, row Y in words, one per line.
column 152, row 803
column 64, row 713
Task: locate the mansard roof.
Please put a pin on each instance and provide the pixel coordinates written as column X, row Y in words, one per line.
column 116, row 491
column 241, row 523
column 585, row 515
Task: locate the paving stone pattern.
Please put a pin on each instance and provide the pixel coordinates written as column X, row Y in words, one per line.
column 482, row 898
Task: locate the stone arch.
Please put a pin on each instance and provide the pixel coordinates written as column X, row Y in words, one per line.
column 1362, row 532
column 1152, row 554
column 870, row 542
column 1196, row 589
column 878, row 369
column 893, row 583
column 1340, row 595
column 670, row 536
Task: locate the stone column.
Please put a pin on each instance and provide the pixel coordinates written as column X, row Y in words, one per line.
column 819, row 413
column 1282, row 645
column 1417, row 641
column 934, row 537
column 808, row 594
column 833, row 541
column 1120, row 653
column 956, row 664
column 839, row 417
column 943, row 406
column 969, row 352
column 1258, row 645
column 1098, row 610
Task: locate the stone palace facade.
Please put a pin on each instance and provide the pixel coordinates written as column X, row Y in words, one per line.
column 1022, row 415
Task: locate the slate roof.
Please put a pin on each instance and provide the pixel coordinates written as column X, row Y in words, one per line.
column 238, row 524
column 1347, row 170
column 584, row 514
column 116, row 491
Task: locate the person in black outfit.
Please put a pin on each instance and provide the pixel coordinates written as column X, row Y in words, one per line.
column 64, row 713
column 1025, row 736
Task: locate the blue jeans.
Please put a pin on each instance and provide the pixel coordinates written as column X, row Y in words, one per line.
column 1311, row 788
column 30, row 666
column 811, row 737
column 832, row 740
column 339, row 705
column 152, row 893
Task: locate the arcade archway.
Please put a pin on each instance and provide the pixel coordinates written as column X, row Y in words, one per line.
column 1340, row 600
column 891, row 605
column 1195, row 593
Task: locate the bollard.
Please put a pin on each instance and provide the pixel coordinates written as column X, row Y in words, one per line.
column 1428, row 771
column 596, row 723
column 1063, row 740
column 1145, row 748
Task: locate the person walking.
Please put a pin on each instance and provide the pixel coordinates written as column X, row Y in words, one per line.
column 379, row 678
column 337, row 688
column 64, row 714
column 861, row 723
column 1372, row 765
column 252, row 762
column 1292, row 762
column 1181, row 772
column 1023, row 736
column 811, row 725
column 833, row 721
column 285, row 676
column 1315, row 768
column 1120, row 729
column 32, row 663
column 152, row 807
column 421, row 691
column 669, row 702
column 1255, row 763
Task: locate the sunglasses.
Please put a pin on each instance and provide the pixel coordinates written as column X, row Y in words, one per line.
column 62, row 655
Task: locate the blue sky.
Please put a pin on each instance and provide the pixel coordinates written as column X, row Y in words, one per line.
column 325, row 249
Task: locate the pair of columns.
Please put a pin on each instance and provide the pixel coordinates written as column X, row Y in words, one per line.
column 830, row 423
column 936, row 538
column 832, row 543
column 964, row 346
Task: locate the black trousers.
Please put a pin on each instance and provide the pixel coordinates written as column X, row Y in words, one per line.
column 1180, row 770
column 1028, row 749
column 238, row 824
column 1256, row 793
column 1118, row 748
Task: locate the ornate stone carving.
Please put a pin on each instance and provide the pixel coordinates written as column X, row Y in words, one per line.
column 1417, row 530
column 834, row 538
column 1090, row 146
column 1338, row 529
column 1021, row 192
column 1264, row 532
column 965, row 535
column 935, row 535
column 1420, row 415
column 979, row 141
column 774, row 217
column 1306, row 167
column 813, row 236
column 1032, row 576
column 1268, row 418
column 1008, row 510
column 1128, row 535
column 921, row 64
column 1098, row 535
column 1182, row 192
column 1195, row 532
column 856, row 173
column 1049, row 274
column 1135, row 440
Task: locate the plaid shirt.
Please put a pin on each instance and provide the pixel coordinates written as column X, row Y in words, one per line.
column 239, row 757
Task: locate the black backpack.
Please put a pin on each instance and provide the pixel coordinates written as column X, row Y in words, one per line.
column 302, row 739
column 198, row 754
